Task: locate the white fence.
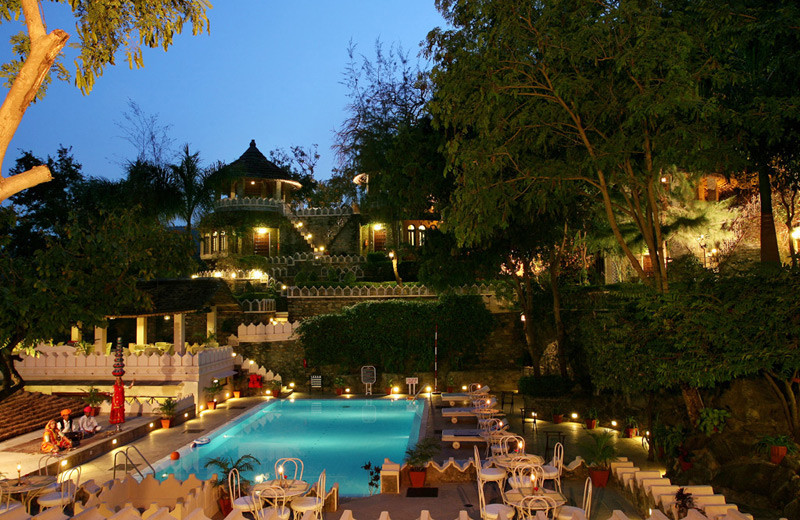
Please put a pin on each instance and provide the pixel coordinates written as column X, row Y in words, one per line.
column 263, row 332
column 324, row 212
column 241, row 274
column 262, row 305
column 380, row 291
column 253, row 203
column 63, row 365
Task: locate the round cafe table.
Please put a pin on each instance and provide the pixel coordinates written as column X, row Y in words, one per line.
column 292, row 488
column 514, row 497
column 505, row 461
column 28, row 487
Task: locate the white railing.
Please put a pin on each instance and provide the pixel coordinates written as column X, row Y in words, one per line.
column 264, row 332
column 381, row 291
column 324, row 212
column 176, row 367
column 262, row 305
column 240, row 274
column 253, row 203
column 315, row 257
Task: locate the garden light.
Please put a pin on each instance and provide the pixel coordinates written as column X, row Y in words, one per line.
column 291, row 385
column 428, row 389
column 574, row 415
column 464, row 387
column 614, row 423
column 347, row 390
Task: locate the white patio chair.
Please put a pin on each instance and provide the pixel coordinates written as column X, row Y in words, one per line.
column 6, row 504
column 553, row 470
column 566, row 512
column 497, row 475
column 493, row 511
column 523, row 480
column 274, row 498
column 69, row 482
column 312, row 503
column 530, row 505
column 290, row 468
column 239, row 502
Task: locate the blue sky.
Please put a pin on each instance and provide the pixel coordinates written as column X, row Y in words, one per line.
column 270, row 71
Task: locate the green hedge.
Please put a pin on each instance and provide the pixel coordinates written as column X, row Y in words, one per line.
column 397, row 336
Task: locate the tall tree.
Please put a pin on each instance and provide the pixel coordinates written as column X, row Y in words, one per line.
column 195, row 192
column 585, row 88
column 103, row 28
column 756, row 50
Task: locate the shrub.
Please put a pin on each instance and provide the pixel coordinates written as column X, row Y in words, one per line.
column 544, row 386
column 376, row 257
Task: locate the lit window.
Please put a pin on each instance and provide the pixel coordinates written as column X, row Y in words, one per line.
column 412, row 236
column 422, row 235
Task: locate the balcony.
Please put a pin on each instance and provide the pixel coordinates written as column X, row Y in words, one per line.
column 252, row 203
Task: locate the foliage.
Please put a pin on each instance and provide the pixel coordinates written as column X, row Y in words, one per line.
column 517, row 89
column 213, row 390
column 600, row 451
column 712, row 420
column 226, row 464
column 167, row 408
column 87, row 270
column 544, row 386
column 631, row 422
column 667, row 440
column 683, row 501
column 422, row 453
column 93, row 397
column 374, row 472
column 338, row 382
column 767, row 441
column 193, row 186
column 397, row 336
column 299, row 163
column 592, row 414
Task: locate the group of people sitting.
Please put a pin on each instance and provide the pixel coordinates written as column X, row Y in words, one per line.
column 65, row 434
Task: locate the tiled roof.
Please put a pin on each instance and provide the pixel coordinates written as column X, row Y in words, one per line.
column 171, row 296
column 252, row 163
column 24, row 412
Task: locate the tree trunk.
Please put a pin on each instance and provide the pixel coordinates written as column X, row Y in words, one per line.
column 693, row 402
column 769, row 239
column 533, row 348
column 560, row 335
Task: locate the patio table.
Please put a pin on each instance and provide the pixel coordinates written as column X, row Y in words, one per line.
column 514, row 497
column 27, row 487
column 504, row 461
column 292, row 488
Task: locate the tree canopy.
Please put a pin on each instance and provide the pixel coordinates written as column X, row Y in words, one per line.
column 103, row 29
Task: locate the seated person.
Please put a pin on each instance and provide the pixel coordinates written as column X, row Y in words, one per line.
column 68, row 429
column 53, row 441
column 88, row 424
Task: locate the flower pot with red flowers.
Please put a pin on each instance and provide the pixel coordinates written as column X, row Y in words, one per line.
column 777, row 447
column 223, row 467
column 418, row 458
column 599, row 453
column 631, row 427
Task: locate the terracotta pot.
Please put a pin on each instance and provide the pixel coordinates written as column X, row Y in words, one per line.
column 166, row 423
column 237, row 394
column 591, row 424
column 599, row 477
column 777, row 453
column 95, row 411
column 630, row 433
column 558, row 418
column 339, row 391
column 225, row 505
column 211, row 405
column 417, row 478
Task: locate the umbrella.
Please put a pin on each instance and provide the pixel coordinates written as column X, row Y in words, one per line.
column 118, row 399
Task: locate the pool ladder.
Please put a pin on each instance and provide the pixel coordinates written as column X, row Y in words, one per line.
column 128, row 460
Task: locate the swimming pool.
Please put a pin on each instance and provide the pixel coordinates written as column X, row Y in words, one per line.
column 338, row 435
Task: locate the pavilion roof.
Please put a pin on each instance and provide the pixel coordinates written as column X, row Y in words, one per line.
column 253, row 164
column 178, row 296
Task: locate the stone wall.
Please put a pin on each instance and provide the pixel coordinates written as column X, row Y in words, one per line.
column 505, row 346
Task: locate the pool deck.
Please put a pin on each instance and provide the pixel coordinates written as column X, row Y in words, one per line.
column 452, row 497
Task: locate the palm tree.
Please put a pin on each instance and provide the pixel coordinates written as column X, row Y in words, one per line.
column 192, row 183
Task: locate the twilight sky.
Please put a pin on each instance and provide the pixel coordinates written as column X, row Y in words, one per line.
column 270, row 70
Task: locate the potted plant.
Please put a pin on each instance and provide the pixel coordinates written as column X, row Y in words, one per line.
column 167, row 410
column 390, row 387
column 599, row 452
column 276, row 388
column 94, row 399
column 558, row 415
column 683, row 502
column 211, row 394
column 712, row 420
column 418, row 457
column 374, row 481
column 777, row 447
column 631, row 427
column 225, row 465
column 591, row 418
column 338, row 385
column 450, row 384
column 239, row 385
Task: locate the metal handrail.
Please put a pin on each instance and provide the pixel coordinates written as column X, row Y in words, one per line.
column 128, row 459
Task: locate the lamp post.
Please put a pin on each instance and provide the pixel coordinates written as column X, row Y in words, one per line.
column 701, row 241
column 399, row 280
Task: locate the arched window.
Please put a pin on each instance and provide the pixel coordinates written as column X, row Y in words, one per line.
column 412, row 236
column 422, row 235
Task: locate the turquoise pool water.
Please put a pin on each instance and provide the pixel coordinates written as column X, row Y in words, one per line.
column 338, row 435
